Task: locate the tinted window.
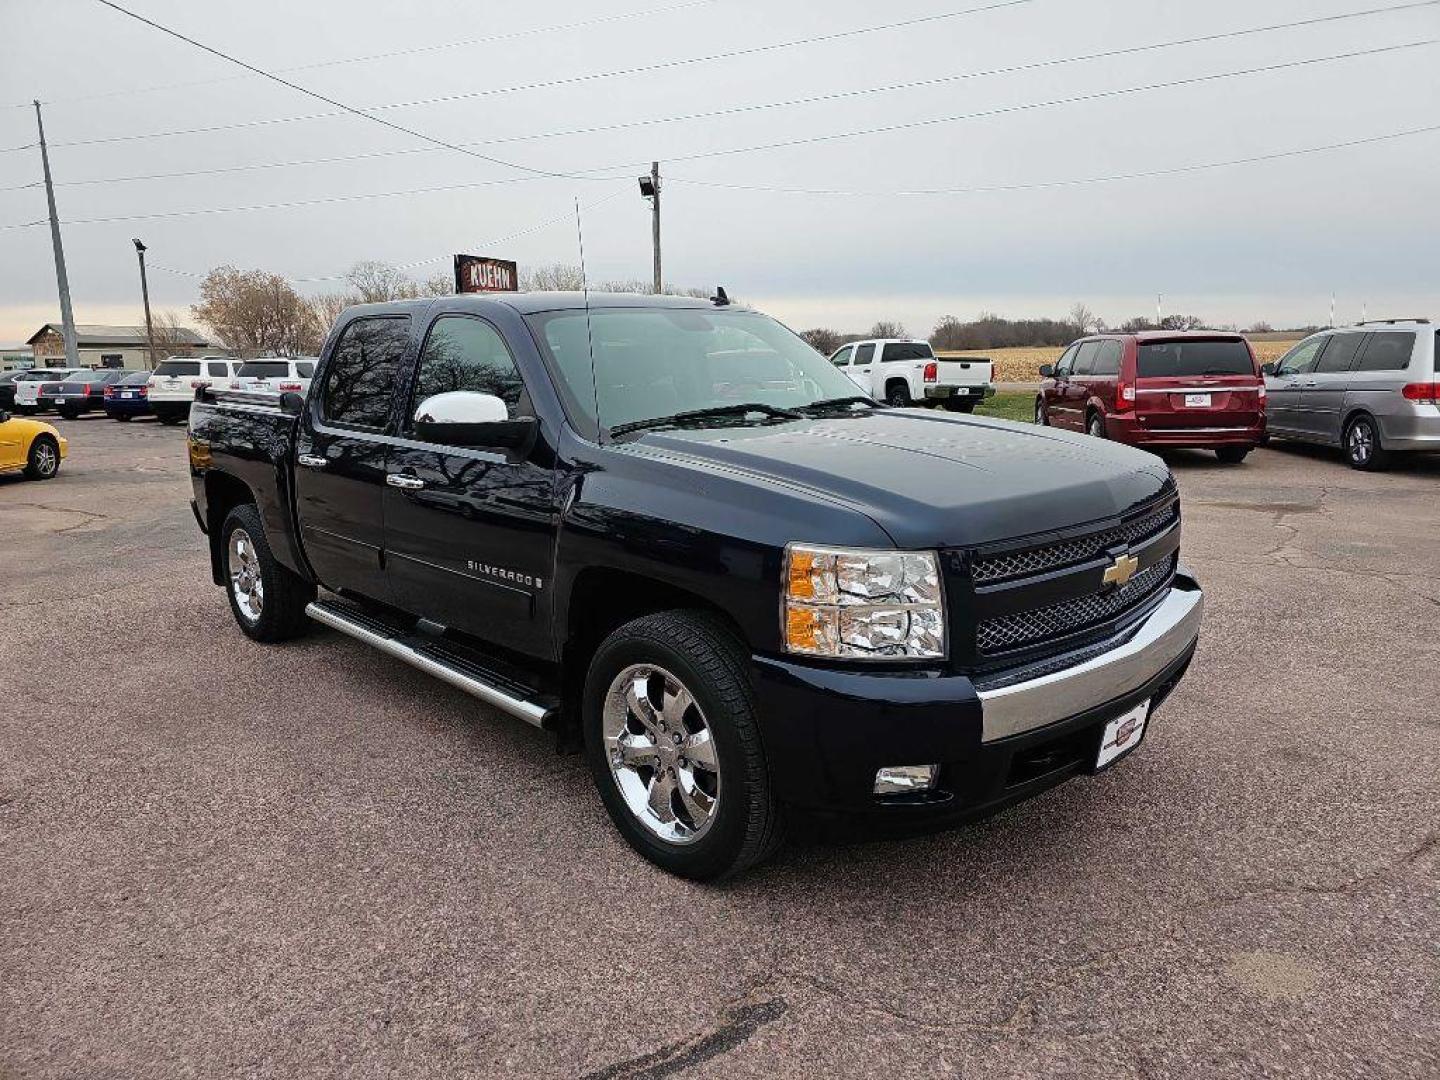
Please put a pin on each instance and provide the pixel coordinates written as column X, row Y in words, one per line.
column 217, row 370
column 1107, row 360
column 1185, row 359
column 906, row 350
column 136, row 378
column 1387, row 350
column 1085, row 358
column 1062, row 366
column 1301, row 358
column 305, row 369
column 264, row 369
column 360, row 382
column 864, row 354
column 82, row 376
column 178, row 367
column 1339, row 354
column 842, row 357
column 467, row 354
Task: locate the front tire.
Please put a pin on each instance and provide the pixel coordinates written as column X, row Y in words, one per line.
column 268, row 600
column 1363, row 449
column 1041, row 416
column 673, row 742
column 43, row 461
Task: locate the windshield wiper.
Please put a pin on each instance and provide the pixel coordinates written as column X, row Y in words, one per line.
column 716, row 412
column 840, row 403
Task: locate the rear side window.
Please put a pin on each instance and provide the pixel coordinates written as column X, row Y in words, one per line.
column 1387, row 350
column 1107, row 360
column 1339, row 355
column 1187, row 359
column 178, row 367
column 217, row 371
column 264, row 369
column 360, row 382
column 1085, row 358
column 864, row 354
column 905, row 350
column 462, row 353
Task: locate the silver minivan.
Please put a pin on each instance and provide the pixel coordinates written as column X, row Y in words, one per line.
column 1370, row 389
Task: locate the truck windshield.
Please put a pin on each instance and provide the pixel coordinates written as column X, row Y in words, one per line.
column 654, row 362
column 1184, row 359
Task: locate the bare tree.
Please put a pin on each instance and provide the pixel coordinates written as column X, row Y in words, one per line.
column 170, row 336
column 557, row 277
column 1261, row 327
column 823, row 340
column 255, row 312
column 439, row 285
column 884, row 329
column 374, row 282
column 1082, row 318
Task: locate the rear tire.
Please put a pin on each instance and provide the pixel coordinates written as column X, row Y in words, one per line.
column 169, row 419
column 43, row 461
column 1231, row 455
column 67, row 414
column 666, row 655
column 1363, row 449
column 123, row 417
column 1095, row 426
column 898, row 395
column 268, row 600
column 962, row 405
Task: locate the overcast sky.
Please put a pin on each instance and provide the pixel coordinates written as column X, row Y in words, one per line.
column 1252, row 241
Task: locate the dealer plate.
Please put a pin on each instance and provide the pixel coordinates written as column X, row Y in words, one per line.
column 1197, row 401
column 1122, row 734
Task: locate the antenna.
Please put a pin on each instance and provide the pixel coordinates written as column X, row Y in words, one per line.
column 589, row 335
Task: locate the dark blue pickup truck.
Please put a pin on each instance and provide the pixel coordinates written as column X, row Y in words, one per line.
column 672, row 533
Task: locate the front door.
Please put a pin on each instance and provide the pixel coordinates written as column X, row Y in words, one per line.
column 470, row 531
column 340, row 457
column 861, row 368
column 1283, row 402
column 841, row 360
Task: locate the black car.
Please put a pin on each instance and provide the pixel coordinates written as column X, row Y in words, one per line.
column 80, row 392
column 672, row 533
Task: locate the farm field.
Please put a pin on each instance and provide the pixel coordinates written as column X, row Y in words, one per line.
column 1022, row 364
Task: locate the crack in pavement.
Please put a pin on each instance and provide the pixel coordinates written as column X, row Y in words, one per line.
column 740, row 1024
column 1429, row 844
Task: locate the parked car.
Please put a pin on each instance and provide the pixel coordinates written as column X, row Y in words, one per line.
column 129, row 397
column 279, row 375
column 1372, row 389
column 30, row 446
column 1198, row 390
column 80, row 392
column 805, row 599
column 27, row 388
column 903, row 372
column 172, row 387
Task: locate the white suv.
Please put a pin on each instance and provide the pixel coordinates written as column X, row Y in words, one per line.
column 276, row 375
column 172, row 387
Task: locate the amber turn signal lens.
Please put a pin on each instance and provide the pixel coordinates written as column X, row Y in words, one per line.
column 802, row 582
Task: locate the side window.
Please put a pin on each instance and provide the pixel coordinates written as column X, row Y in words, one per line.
column 1301, row 358
column 1387, row 350
column 360, row 381
column 1339, row 355
column 1107, row 360
column 217, row 370
column 864, row 353
column 462, row 353
column 1085, row 358
column 842, row 358
column 1066, row 361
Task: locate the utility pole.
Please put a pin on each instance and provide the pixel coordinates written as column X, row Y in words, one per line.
column 650, row 189
column 62, row 281
column 1158, row 319
column 145, row 295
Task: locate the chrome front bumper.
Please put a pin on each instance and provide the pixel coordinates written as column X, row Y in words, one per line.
column 1164, row 637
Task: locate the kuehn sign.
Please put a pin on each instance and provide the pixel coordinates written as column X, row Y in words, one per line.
column 475, row 273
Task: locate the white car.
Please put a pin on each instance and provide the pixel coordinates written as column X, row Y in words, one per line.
column 908, row 372
column 172, row 387
column 27, row 387
column 276, row 375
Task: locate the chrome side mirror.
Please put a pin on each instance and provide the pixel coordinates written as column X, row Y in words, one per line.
column 467, row 418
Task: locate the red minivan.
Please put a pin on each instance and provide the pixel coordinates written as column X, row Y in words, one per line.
column 1199, row 389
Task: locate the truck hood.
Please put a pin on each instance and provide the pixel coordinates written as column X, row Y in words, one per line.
column 931, row 480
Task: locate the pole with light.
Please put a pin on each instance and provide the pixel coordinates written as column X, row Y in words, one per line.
column 145, row 295
column 650, row 189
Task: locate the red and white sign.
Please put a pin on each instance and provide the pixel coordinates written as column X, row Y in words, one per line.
column 476, row 273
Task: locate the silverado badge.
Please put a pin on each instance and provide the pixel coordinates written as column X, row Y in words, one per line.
column 1121, row 570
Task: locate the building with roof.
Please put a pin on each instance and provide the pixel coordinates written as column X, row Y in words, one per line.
column 113, row 346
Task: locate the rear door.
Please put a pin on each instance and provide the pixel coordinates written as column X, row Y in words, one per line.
column 341, row 451
column 470, row 531
column 1104, row 373
column 862, row 369
column 1190, row 383
column 1380, row 375
column 1322, row 393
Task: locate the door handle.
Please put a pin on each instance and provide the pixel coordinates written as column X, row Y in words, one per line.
column 406, row 483
column 310, row 461
column 1311, row 384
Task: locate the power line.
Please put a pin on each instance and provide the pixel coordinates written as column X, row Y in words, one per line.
column 1073, row 182
column 415, row 51
column 733, row 110
column 329, row 100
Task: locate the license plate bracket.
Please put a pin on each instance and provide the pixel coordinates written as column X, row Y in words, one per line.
column 1121, row 735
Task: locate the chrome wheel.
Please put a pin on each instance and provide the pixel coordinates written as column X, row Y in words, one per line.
column 661, row 753
column 1362, row 442
column 47, row 459
column 1040, row 414
column 1097, row 427
column 245, row 583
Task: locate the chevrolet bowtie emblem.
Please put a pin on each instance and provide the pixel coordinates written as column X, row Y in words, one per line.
column 1121, row 570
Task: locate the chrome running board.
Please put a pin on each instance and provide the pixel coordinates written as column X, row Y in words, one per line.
column 443, row 665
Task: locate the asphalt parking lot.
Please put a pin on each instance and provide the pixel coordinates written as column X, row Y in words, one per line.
column 218, row 858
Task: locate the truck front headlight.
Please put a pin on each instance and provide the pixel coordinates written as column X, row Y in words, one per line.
column 863, row 605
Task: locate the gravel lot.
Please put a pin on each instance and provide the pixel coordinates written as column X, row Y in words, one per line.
column 221, row 859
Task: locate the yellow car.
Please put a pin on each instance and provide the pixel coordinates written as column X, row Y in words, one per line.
column 30, row 445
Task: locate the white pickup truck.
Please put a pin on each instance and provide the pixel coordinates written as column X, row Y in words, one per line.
column 908, row 372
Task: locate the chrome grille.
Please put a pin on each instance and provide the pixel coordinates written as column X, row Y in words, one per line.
column 1069, row 616
column 996, row 567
